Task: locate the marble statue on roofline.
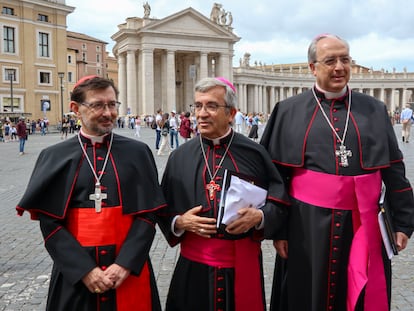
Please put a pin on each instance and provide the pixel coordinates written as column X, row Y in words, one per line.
column 147, row 10
column 246, row 60
column 220, row 16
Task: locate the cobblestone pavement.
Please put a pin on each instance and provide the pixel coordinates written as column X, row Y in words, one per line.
column 25, row 265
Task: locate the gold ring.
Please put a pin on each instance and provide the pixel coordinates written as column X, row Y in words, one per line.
column 201, row 230
column 97, row 290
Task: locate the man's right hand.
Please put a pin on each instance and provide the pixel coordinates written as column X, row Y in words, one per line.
column 190, row 221
column 97, row 281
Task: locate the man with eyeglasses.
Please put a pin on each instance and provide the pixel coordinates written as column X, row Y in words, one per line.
column 335, row 147
column 94, row 196
column 220, row 266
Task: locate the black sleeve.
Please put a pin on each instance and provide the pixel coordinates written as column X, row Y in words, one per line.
column 400, row 198
column 275, row 217
column 136, row 247
column 69, row 257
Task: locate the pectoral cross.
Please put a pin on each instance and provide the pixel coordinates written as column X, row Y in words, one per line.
column 98, row 196
column 343, row 154
column 212, row 187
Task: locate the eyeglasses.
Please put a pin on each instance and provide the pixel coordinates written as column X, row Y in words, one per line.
column 332, row 61
column 209, row 107
column 100, row 106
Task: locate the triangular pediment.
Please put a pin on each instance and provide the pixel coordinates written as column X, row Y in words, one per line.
column 189, row 22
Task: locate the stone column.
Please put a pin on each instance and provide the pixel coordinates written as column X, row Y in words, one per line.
column 122, row 85
column 392, row 91
column 244, row 92
column 290, row 92
column 404, row 97
column 224, row 67
column 371, row 92
column 272, row 99
column 265, row 100
column 131, row 82
column 170, row 74
column 382, row 95
column 203, row 65
column 255, row 107
column 147, row 81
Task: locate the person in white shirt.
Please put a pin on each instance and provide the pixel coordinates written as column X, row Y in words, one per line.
column 174, row 130
column 158, row 119
column 239, row 119
column 406, row 118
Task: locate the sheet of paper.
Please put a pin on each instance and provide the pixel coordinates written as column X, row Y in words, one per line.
column 241, row 194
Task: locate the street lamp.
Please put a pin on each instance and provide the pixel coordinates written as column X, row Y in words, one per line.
column 11, row 78
column 61, row 76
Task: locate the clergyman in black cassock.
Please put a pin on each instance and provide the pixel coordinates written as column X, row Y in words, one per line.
column 218, row 269
column 334, row 147
column 94, row 196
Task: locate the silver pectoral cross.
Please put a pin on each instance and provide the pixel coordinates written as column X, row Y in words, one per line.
column 343, row 155
column 98, row 196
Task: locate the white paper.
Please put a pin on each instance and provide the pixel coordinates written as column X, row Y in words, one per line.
column 385, row 239
column 241, row 194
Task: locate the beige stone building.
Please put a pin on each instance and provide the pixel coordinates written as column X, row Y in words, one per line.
column 33, row 39
column 91, row 55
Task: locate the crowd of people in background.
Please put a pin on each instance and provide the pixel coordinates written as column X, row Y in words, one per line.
column 172, row 127
column 9, row 128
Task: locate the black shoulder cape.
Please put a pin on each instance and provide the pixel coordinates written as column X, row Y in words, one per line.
column 55, row 172
column 286, row 132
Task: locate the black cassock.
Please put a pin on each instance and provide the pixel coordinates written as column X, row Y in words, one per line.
column 299, row 138
column 200, row 285
column 79, row 239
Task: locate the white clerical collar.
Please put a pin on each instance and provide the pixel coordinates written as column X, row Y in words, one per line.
column 330, row 95
column 216, row 141
column 94, row 139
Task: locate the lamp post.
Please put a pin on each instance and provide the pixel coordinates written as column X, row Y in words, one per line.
column 11, row 78
column 61, row 76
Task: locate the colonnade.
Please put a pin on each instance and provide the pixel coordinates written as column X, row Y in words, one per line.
column 156, row 78
column 261, row 93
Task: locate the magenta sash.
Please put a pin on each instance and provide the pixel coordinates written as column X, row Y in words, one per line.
column 243, row 255
column 359, row 194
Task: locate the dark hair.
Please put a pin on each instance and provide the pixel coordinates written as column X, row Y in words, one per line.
column 187, row 114
column 96, row 83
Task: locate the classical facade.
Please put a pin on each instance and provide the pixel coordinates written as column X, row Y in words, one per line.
column 160, row 60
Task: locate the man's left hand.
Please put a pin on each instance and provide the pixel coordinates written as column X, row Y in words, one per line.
column 249, row 217
column 402, row 240
column 117, row 274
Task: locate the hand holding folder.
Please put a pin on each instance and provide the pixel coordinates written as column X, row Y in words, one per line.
column 239, row 192
column 385, row 224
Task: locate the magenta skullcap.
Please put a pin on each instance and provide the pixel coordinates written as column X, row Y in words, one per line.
column 224, row 80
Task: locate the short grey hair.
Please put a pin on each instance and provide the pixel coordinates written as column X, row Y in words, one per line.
column 206, row 84
column 312, row 47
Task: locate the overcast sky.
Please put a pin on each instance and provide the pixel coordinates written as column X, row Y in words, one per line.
column 380, row 32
